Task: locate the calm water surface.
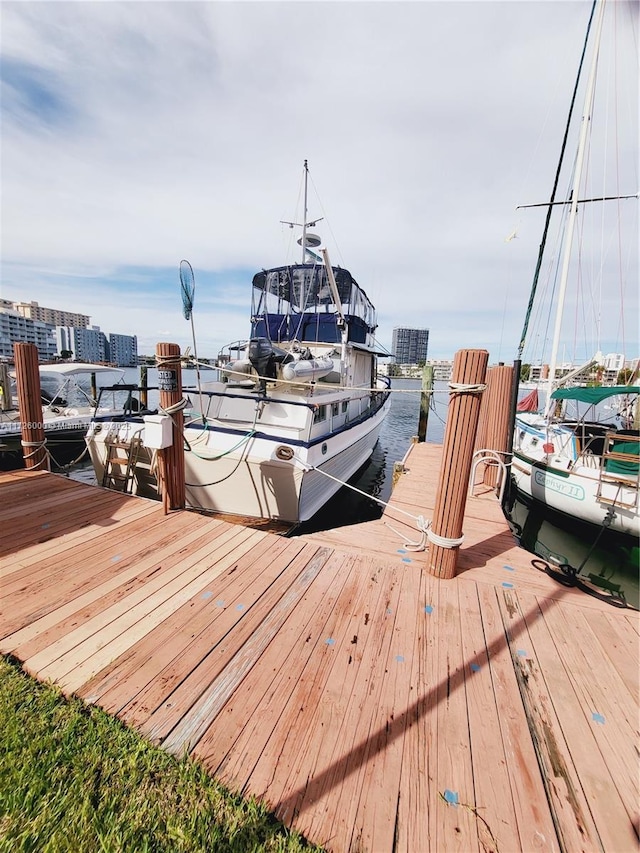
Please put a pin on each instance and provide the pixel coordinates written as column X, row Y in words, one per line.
column 551, row 537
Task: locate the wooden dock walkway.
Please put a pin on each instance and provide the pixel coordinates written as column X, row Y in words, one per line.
column 368, row 704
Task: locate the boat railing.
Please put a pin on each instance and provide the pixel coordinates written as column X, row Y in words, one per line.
column 621, row 468
column 621, row 453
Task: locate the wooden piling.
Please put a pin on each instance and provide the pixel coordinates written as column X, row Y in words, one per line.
column 425, row 400
column 30, row 406
column 5, row 388
column 493, row 426
column 469, row 373
column 144, row 382
column 171, row 458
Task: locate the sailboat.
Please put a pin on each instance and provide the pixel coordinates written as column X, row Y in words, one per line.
column 299, row 407
column 584, row 464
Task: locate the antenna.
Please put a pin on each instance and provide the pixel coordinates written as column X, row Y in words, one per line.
column 306, row 240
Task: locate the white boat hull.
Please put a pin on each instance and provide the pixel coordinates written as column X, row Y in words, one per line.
column 252, row 481
column 284, row 470
column 576, row 494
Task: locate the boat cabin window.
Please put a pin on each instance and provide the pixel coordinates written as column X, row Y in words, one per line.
column 320, row 414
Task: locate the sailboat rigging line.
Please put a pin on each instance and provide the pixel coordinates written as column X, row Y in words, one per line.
column 573, row 211
column 536, row 275
column 580, row 201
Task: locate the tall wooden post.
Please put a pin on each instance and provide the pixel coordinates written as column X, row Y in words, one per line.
column 5, row 388
column 30, row 406
column 425, row 400
column 493, row 426
column 171, row 458
column 467, row 378
column 144, row 382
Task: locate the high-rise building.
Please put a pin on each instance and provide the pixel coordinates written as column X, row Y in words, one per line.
column 123, row 350
column 53, row 316
column 16, row 328
column 88, row 345
column 409, row 346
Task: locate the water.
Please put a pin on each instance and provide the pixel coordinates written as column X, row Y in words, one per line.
column 551, row 537
column 607, row 560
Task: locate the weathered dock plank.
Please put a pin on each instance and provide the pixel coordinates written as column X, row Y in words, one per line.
column 494, row 806
column 608, row 823
column 118, row 686
column 239, row 734
column 370, row 705
column 533, row 817
column 94, row 594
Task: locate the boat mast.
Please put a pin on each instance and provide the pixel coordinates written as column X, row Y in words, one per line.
column 573, row 212
column 304, row 214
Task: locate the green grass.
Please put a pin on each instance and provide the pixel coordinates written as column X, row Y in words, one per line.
column 74, row 779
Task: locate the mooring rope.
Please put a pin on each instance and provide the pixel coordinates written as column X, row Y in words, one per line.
column 37, row 445
column 176, row 407
column 463, row 388
column 423, row 525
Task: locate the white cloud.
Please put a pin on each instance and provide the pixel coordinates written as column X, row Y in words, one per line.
column 149, row 132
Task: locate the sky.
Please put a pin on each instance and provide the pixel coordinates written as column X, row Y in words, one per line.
column 137, row 134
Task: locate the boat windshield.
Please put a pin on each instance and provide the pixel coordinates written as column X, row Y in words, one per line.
column 297, row 302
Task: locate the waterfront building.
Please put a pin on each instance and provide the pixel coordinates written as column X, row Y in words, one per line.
column 123, row 350
column 16, row 328
column 441, row 370
column 88, row 345
column 53, row 316
column 409, row 346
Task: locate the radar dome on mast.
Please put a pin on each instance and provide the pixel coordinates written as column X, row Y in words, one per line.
column 309, row 241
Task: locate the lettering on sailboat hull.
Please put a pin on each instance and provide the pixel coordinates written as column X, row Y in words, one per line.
column 556, row 484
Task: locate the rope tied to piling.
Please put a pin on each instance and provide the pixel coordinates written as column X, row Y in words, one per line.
column 36, row 445
column 444, row 541
column 161, row 360
column 426, row 535
column 423, row 526
column 176, row 407
column 463, row 388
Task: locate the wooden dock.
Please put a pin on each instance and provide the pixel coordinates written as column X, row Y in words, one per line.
column 368, row 704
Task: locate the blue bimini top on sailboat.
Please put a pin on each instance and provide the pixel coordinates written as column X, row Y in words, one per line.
column 296, row 303
column 593, row 394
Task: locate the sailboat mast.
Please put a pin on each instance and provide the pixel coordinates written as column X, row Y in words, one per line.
column 573, row 212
